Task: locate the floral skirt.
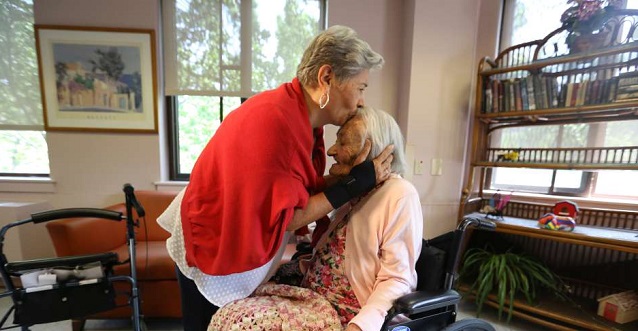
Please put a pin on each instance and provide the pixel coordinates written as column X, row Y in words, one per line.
column 277, row 307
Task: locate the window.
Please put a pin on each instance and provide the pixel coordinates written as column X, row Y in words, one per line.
column 217, row 53
column 23, row 148
column 526, row 20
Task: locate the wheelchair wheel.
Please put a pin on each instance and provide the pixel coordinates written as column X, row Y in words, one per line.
column 470, row 324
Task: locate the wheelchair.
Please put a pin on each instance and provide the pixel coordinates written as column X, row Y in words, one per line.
column 433, row 306
column 55, row 289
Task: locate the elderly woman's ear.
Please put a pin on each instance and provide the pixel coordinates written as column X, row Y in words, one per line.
column 365, row 152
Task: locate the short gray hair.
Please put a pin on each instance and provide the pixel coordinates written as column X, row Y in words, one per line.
column 383, row 130
column 341, row 48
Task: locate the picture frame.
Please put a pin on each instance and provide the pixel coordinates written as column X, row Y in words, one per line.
column 97, row 79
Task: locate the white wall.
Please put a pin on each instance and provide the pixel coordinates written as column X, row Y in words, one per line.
column 430, row 51
column 429, row 47
column 443, row 64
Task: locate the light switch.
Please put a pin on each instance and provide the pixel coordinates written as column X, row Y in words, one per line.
column 437, row 167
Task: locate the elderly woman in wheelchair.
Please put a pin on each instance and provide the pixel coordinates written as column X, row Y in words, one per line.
column 365, row 259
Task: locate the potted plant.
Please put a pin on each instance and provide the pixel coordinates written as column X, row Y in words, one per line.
column 507, row 275
column 585, row 20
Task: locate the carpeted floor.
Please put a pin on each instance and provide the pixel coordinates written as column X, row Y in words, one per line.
column 466, row 310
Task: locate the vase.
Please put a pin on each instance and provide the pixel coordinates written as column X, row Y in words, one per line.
column 586, row 42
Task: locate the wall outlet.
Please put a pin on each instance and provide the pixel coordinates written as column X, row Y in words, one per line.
column 418, row 167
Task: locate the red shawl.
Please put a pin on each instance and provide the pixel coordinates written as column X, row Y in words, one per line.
column 263, row 162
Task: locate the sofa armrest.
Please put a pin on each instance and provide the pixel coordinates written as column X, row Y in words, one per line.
column 87, row 235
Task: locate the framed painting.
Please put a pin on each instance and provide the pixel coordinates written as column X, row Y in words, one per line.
column 97, row 79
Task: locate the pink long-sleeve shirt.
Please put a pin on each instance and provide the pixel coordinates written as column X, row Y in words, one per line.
column 383, row 242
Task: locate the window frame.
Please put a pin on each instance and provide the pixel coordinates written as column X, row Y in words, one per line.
column 582, row 191
column 172, row 100
column 172, row 128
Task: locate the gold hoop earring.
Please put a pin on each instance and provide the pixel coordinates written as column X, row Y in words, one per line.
column 323, row 105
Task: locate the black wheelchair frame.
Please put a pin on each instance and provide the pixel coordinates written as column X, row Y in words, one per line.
column 433, row 306
column 76, row 297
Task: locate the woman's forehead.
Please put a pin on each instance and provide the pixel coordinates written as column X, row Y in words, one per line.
column 352, row 129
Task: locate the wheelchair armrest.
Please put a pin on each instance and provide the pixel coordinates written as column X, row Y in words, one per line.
column 422, row 301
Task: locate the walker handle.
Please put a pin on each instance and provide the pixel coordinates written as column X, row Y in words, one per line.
column 75, row 212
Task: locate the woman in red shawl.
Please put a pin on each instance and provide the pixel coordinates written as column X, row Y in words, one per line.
column 261, row 176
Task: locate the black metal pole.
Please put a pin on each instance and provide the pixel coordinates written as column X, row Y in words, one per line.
column 130, row 233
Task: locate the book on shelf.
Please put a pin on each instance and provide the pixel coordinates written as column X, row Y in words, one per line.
column 611, row 92
column 531, row 100
column 552, row 87
column 582, row 91
column 593, row 97
column 628, row 79
column 572, row 94
column 539, row 91
column 518, row 99
column 607, row 91
column 562, row 94
column 506, row 96
column 509, row 95
column 501, row 96
column 487, row 101
column 494, row 89
column 524, row 97
column 588, row 98
column 626, row 96
column 627, row 88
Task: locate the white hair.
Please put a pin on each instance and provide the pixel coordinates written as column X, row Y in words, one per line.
column 383, row 130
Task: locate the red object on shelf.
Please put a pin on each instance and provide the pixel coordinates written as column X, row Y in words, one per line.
column 566, row 208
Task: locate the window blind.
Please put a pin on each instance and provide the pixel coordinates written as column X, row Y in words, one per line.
column 19, row 83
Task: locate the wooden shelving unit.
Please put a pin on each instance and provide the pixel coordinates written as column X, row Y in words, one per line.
column 593, row 236
column 569, row 315
column 614, row 158
column 538, row 83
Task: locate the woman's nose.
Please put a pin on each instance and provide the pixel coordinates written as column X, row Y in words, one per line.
column 331, row 151
column 361, row 103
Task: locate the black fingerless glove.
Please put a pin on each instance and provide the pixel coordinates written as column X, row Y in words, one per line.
column 361, row 179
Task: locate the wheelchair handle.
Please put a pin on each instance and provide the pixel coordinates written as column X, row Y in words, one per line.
column 75, row 212
column 482, row 224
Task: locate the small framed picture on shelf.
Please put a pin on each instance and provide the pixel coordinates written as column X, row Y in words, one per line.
column 97, row 79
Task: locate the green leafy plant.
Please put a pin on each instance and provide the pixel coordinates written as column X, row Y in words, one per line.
column 507, row 275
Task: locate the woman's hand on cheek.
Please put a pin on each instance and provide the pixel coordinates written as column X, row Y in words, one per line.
column 383, row 164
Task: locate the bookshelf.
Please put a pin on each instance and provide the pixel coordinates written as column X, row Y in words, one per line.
column 541, row 83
